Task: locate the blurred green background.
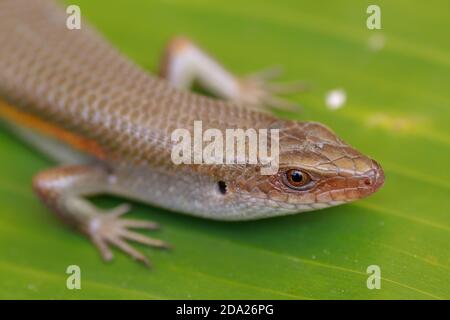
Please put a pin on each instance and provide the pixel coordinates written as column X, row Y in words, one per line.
column 397, row 83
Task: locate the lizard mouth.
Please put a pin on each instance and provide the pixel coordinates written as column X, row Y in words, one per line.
column 366, row 184
column 345, row 189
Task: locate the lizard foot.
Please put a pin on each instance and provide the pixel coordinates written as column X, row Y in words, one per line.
column 109, row 229
column 257, row 90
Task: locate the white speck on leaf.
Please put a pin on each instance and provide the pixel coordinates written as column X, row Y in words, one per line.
column 376, row 42
column 335, row 99
column 31, row 287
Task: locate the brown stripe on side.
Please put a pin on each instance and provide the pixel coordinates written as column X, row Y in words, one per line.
column 49, row 129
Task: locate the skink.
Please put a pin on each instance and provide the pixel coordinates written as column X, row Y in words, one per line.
column 108, row 123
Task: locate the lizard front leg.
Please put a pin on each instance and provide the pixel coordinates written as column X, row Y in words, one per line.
column 63, row 190
column 185, row 63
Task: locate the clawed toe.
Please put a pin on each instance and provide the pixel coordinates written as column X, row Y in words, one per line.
column 267, row 74
column 288, row 87
column 109, row 229
column 137, row 237
column 257, row 91
column 125, row 247
column 132, row 223
column 282, row 104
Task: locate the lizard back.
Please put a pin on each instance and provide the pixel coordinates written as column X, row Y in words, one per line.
column 75, row 79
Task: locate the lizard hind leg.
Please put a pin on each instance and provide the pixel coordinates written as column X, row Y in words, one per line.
column 184, row 62
column 63, row 190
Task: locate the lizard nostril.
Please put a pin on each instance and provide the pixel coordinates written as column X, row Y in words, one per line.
column 367, row 182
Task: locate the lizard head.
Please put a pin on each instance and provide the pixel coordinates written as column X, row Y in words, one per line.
column 316, row 170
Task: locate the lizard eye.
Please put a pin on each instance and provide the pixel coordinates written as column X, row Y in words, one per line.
column 296, row 179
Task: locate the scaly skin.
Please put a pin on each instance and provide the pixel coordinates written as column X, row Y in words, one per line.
column 76, row 83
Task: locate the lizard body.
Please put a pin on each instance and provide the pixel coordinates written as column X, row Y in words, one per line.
column 109, row 124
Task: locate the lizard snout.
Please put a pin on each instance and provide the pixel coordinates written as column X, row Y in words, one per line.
column 372, row 180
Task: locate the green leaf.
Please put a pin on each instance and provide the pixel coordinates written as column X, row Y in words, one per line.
column 397, row 112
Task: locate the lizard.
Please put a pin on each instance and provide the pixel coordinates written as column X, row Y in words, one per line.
column 107, row 123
